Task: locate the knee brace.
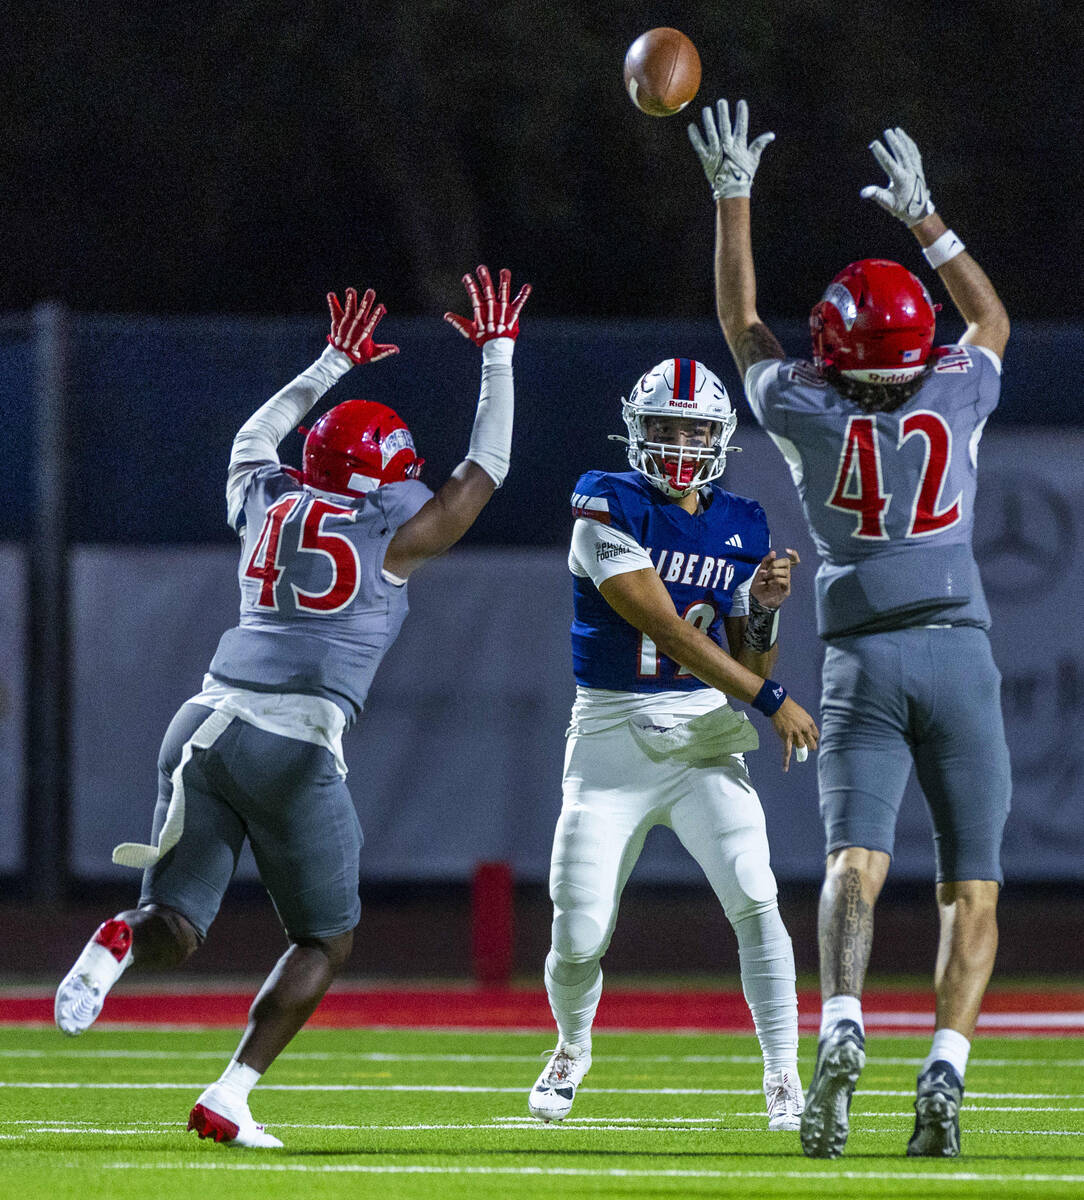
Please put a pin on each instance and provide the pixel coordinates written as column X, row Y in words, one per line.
column 568, row 974
column 577, row 936
column 752, row 888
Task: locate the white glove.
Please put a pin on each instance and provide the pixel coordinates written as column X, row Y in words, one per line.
column 728, row 162
column 907, row 197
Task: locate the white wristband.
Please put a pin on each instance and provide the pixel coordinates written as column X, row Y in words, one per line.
column 947, row 246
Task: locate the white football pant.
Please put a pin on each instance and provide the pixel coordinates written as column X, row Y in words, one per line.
column 613, row 794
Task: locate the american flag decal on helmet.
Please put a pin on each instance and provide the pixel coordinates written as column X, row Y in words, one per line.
column 911, row 355
column 592, row 508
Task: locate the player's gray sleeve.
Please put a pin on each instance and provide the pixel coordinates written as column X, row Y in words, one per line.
column 257, row 441
column 989, row 354
column 601, row 551
column 756, row 381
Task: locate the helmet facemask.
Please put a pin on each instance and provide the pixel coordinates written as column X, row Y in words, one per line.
column 679, row 388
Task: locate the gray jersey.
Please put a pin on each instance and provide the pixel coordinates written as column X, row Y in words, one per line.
column 888, row 497
column 317, row 611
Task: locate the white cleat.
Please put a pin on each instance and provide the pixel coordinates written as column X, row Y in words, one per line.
column 552, row 1095
column 78, row 1002
column 223, row 1118
column 785, row 1100
column 83, row 990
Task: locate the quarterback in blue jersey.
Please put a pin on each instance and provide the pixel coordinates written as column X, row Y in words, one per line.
column 676, row 596
column 326, row 552
column 881, row 433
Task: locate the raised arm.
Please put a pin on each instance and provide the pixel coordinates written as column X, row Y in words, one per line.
column 350, row 342
column 446, row 517
column 641, row 598
column 908, row 199
column 730, row 163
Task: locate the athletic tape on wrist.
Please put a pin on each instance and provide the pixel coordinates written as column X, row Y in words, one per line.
column 761, row 627
column 770, row 697
column 947, row 246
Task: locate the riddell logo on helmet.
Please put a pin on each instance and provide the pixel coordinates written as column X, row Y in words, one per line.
column 683, row 404
column 889, row 376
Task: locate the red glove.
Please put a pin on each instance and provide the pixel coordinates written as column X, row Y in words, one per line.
column 352, row 327
column 494, row 316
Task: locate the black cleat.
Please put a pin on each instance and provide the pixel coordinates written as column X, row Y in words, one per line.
column 841, row 1055
column 937, row 1113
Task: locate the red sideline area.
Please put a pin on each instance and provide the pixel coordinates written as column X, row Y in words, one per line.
column 1009, row 1012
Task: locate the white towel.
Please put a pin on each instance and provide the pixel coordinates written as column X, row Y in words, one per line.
column 140, row 856
column 715, row 734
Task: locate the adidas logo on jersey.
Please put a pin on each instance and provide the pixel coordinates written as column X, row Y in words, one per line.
column 734, row 541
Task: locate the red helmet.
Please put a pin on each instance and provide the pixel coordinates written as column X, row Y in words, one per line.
column 358, row 446
column 874, row 323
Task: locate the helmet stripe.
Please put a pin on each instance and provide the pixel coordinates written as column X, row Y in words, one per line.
column 684, row 379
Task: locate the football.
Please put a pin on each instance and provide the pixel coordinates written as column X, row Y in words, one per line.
column 662, row 72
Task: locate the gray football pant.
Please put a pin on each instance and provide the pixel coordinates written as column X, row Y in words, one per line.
column 930, row 697
column 282, row 794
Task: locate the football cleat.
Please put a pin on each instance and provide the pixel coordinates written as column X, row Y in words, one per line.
column 841, row 1055
column 552, row 1095
column 225, row 1118
column 784, row 1099
column 937, row 1113
column 83, row 990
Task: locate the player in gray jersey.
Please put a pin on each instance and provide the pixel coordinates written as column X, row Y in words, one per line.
column 881, row 433
column 325, row 557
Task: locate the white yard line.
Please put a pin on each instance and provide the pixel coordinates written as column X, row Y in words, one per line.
column 481, row 1089
column 516, row 1125
column 921, row 1177
column 885, row 1025
column 389, row 1057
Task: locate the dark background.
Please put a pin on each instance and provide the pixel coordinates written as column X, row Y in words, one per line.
column 248, row 156
column 198, row 159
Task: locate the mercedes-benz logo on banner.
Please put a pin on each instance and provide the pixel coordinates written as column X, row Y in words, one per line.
column 1024, row 535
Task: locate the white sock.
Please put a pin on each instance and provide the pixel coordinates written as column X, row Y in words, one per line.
column 768, row 981
column 573, row 1001
column 951, row 1047
column 238, row 1079
column 841, row 1008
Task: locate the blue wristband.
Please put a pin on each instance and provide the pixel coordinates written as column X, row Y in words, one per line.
column 770, row 697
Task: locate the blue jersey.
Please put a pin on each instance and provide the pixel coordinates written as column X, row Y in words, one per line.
column 890, row 496
column 702, row 560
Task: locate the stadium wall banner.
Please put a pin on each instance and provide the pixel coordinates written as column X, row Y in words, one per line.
column 458, row 757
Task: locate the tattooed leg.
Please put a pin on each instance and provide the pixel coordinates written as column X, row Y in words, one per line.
column 852, row 883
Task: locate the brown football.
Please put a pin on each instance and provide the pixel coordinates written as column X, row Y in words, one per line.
column 662, row 72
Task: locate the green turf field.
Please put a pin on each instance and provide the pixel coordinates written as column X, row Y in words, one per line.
column 417, row 1114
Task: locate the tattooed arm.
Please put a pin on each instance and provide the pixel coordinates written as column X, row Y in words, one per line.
column 730, row 161
column 749, row 339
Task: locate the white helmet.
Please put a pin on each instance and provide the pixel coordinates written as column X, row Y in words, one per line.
column 679, row 387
